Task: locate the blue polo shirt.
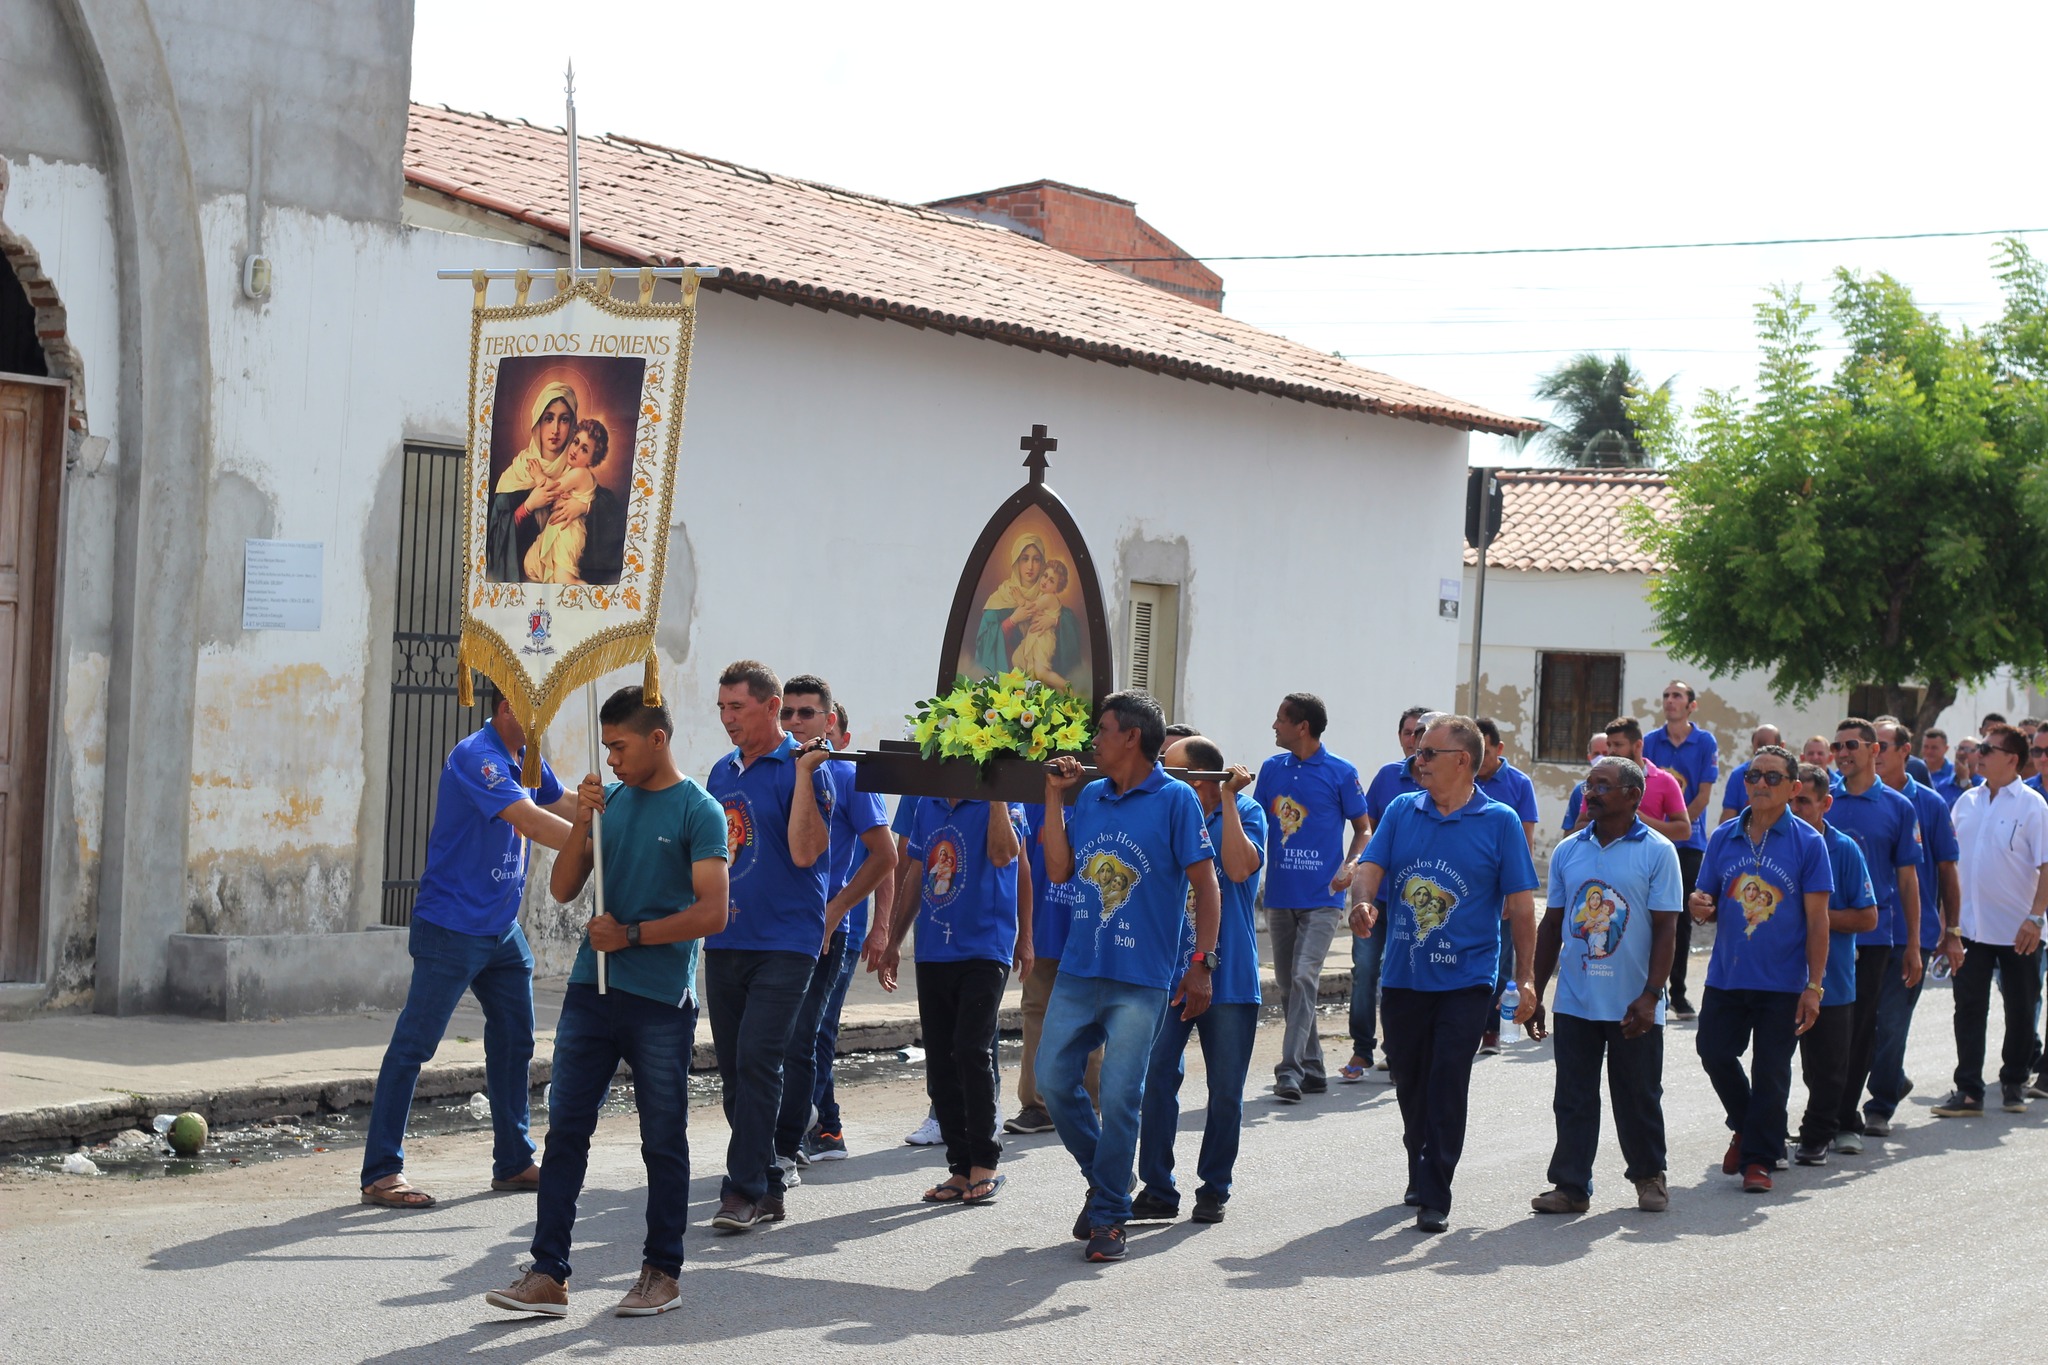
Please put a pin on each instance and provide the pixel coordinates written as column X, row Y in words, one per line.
column 777, row 907
column 1885, row 826
column 1308, row 803
column 1511, row 787
column 651, row 841
column 476, row 862
column 1760, row 929
column 854, row 813
column 1236, row 980
column 1853, row 891
column 1695, row 763
column 1607, row 896
column 1935, row 776
column 1937, row 846
column 1392, row 780
column 1950, row 791
column 1916, row 768
column 1449, row 875
column 1052, row 903
column 1131, row 855
column 967, row 906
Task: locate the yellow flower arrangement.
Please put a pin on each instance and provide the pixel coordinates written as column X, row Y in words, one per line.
column 1006, row 714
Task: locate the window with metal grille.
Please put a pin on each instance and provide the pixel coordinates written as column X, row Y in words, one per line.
column 1154, row 644
column 1868, row 702
column 1576, row 694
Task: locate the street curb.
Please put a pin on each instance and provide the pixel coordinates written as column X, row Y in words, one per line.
column 67, row 1125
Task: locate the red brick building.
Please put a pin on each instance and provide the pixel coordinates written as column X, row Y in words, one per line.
column 1096, row 227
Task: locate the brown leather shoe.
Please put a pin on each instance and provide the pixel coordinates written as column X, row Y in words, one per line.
column 532, row 1292
column 526, row 1182
column 1653, row 1195
column 736, row 1213
column 656, row 1292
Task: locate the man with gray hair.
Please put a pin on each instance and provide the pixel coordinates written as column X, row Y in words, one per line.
column 1610, row 925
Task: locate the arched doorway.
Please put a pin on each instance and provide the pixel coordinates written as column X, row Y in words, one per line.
column 32, row 424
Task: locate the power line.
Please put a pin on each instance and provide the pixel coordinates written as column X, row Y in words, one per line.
column 1568, row 250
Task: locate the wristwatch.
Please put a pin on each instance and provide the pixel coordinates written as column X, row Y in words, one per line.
column 633, row 935
column 1817, row 988
column 2038, row 921
column 1207, row 959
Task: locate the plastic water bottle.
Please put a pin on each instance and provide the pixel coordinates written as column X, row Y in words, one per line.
column 479, row 1105
column 1510, row 1002
column 1938, row 968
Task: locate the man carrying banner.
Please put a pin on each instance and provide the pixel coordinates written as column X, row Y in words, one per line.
column 664, row 889
column 465, row 937
column 757, row 971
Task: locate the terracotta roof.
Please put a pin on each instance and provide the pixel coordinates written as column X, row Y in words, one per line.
column 802, row 242
column 1567, row 521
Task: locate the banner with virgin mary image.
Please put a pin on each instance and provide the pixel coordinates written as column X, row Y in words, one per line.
column 576, row 415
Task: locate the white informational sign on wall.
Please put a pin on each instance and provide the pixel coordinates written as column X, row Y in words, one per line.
column 1447, row 590
column 281, row 584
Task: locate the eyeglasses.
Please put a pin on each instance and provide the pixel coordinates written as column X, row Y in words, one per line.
column 2039, row 750
column 1990, row 748
column 1429, row 755
column 805, row 712
column 1852, row 745
column 1761, row 779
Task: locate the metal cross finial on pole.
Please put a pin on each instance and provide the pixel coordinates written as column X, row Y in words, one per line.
column 1038, row 444
column 575, row 209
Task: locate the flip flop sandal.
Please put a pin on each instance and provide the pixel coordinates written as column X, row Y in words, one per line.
column 399, row 1196
column 517, row 1185
column 944, row 1194
column 993, row 1183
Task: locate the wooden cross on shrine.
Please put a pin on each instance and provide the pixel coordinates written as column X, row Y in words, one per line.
column 1039, row 445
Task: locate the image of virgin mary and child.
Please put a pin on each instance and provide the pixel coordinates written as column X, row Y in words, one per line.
column 1025, row 624
column 552, row 520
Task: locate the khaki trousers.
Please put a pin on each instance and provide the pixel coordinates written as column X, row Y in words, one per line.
column 1038, row 990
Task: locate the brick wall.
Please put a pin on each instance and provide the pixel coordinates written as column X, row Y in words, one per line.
column 1097, row 226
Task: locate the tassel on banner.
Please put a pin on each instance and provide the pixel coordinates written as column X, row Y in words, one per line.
column 482, row 282
column 529, row 770
column 646, row 285
column 522, row 282
column 465, row 681
column 650, row 680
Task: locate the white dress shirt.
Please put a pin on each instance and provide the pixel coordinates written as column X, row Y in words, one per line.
column 2003, row 838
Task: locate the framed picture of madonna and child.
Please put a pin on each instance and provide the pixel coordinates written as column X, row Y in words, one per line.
column 561, row 462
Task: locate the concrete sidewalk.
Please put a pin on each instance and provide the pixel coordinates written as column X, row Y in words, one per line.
column 72, row 1078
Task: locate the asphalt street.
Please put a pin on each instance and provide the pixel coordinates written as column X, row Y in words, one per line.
column 1931, row 1244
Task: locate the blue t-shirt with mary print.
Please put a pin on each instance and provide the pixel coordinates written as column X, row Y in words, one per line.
column 776, row 905
column 967, row 906
column 1131, row 855
column 1760, row 889
column 1446, row 879
column 1309, row 804
column 1052, row 903
column 1607, row 894
column 1236, row 980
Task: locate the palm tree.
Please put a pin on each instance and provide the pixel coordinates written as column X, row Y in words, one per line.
column 1593, row 431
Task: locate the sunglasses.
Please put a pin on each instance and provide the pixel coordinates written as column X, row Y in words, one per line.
column 1428, row 755
column 2039, row 750
column 1990, row 749
column 1851, row 745
column 806, row 712
column 1757, row 779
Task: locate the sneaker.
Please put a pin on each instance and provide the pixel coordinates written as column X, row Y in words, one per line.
column 1032, row 1120
column 1431, row 1220
column 773, row 1210
column 1959, row 1106
column 1208, row 1208
column 1351, row 1073
column 1106, row 1244
column 1287, row 1092
column 655, row 1292
column 1812, row 1153
column 736, row 1213
column 533, row 1292
column 790, row 1177
column 1314, row 1085
column 1147, row 1207
column 1489, row 1045
column 1876, row 1125
column 802, row 1157
column 2037, row 1089
column 1680, row 1008
column 2014, row 1097
column 927, row 1134
column 1756, row 1178
column 823, row 1146
column 1653, row 1195
column 1082, row 1225
column 1731, row 1160
column 1848, row 1143
column 1560, row 1200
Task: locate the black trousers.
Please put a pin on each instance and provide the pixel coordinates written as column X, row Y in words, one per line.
column 1431, row 1039
column 958, row 1004
column 2020, row 983
column 1762, row 1023
column 1872, row 962
column 1635, row 1084
column 1824, row 1066
column 1689, row 876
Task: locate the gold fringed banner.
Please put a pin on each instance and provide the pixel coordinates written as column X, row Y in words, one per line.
column 576, row 413
column 650, row 679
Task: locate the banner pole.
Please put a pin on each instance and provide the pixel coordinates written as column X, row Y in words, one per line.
column 596, row 831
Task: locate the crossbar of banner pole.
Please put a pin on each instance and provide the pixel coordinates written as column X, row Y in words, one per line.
column 1184, row 774
column 619, row 272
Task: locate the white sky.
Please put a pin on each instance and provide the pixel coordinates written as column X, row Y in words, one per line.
column 1298, row 127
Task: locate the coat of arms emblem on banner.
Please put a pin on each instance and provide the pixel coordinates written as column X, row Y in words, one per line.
column 575, row 417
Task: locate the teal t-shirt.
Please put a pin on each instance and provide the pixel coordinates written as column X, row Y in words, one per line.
column 651, row 838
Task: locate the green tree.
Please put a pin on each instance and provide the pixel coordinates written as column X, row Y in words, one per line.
column 1594, row 427
column 1889, row 526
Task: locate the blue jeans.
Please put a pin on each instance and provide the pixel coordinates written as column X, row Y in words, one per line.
column 1895, row 1006
column 1084, row 1013
column 752, row 997
column 444, row 965
column 1762, row 1023
column 595, row 1034
column 1226, row 1032
column 822, row 1097
column 1365, row 991
column 800, row 1062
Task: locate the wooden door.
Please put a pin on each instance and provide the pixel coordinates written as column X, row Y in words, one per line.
column 30, row 470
